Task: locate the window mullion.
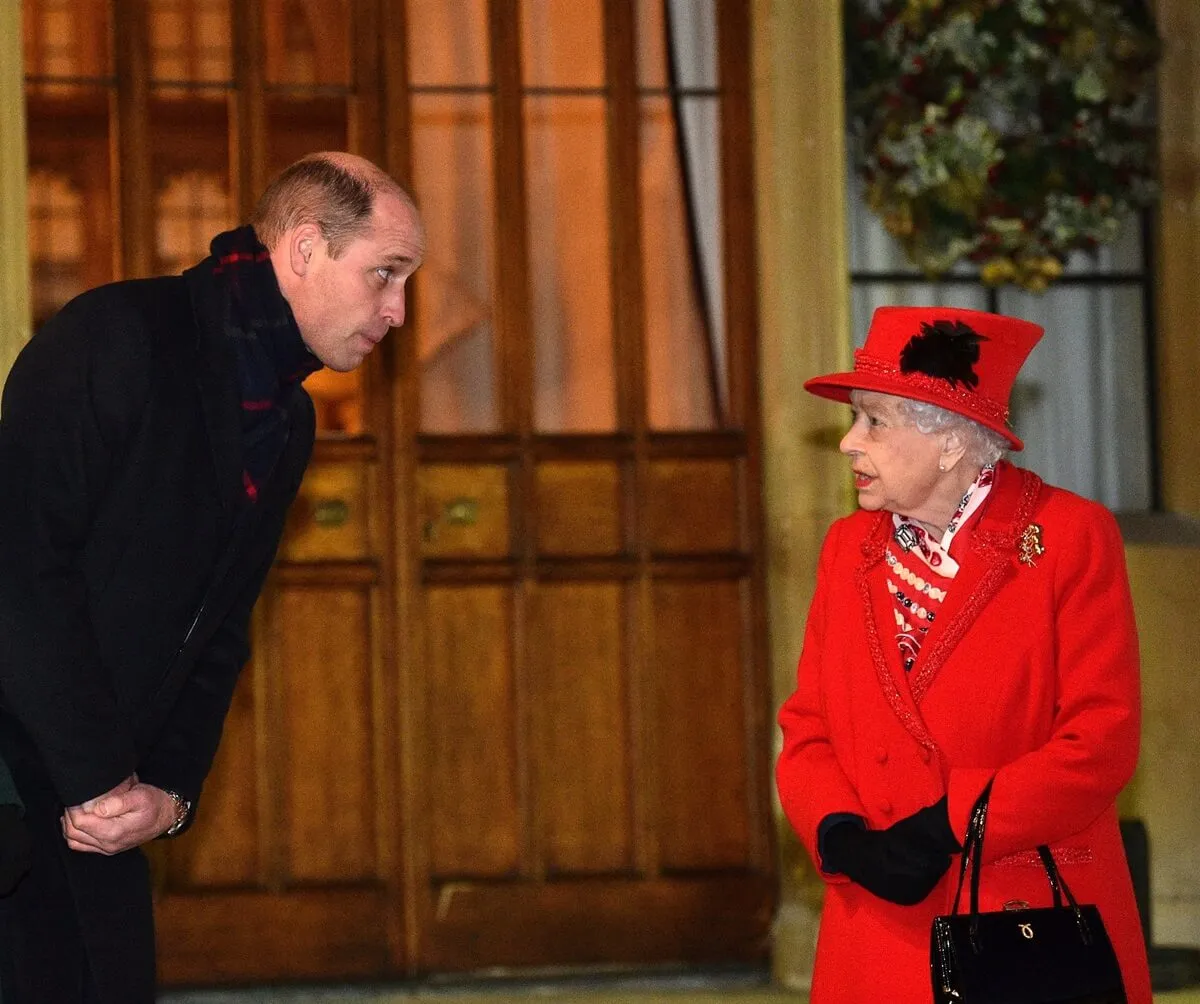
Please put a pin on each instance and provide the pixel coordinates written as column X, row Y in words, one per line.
column 624, row 223
column 248, row 106
column 737, row 212
column 514, row 327
column 130, row 138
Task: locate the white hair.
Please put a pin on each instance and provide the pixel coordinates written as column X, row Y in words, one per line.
column 983, row 445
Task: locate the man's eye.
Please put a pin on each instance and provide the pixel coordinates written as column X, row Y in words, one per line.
column 384, row 273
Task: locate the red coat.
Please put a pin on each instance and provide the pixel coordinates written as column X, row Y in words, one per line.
column 1030, row 673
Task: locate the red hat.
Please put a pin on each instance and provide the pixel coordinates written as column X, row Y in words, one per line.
column 962, row 360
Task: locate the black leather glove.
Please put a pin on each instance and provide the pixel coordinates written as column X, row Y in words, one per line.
column 928, row 829
column 15, row 848
column 902, row 864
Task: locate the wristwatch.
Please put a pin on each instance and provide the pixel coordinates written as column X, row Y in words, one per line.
column 183, row 809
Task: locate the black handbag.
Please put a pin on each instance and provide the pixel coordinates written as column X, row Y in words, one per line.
column 1056, row 955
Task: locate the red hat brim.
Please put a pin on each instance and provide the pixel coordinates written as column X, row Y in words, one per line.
column 837, row 387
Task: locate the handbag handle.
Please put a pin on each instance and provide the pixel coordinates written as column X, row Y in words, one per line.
column 972, row 859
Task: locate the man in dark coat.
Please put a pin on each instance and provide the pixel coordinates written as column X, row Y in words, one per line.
column 152, row 437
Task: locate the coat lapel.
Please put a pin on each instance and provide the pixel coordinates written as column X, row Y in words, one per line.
column 879, row 622
column 219, row 400
column 990, row 561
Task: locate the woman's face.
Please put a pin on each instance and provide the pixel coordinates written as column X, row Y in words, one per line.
column 895, row 464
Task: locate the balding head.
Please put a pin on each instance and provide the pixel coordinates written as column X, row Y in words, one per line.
column 334, row 190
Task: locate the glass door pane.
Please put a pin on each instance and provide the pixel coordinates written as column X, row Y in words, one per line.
column 452, row 168
column 682, row 243
column 569, row 263
column 308, row 42
column 69, row 88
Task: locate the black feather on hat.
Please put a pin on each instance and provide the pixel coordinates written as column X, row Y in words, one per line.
column 945, row 349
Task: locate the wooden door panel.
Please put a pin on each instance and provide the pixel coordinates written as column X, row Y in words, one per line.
column 475, row 815
column 329, row 519
column 578, row 507
column 692, row 506
column 704, row 805
column 327, row 768
column 602, row 922
column 464, row 510
column 583, row 795
column 235, row 936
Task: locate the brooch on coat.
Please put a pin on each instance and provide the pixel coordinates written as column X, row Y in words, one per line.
column 1030, row 547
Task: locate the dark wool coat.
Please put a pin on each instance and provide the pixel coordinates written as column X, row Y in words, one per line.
column 1030, row 675
column 130, row 560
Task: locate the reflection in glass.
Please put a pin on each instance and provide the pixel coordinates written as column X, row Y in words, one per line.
column 699, row 123
column 338, row 400
column 66, row 39
column 570, row 264
column 562, row 44
column 677, row 44
column 652, row 45
column 308, row 42
column 448, row 43
column 57, row 243
column 191, row 209
column 680, row 364
column 72, row 236
column 452, row 162
column 298, row 126
column 190, row 41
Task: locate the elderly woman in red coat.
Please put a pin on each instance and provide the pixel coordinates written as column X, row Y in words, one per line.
column 970, row 623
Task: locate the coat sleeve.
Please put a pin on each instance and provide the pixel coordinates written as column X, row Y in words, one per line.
column 811, row 782
column 183, row 754
column 67, row 411
column 1055, row 791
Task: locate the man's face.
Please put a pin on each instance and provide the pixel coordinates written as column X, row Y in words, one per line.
column 344, row 306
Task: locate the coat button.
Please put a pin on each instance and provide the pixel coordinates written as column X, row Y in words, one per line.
column 881, row 755
column 885, row 807
column 925, row 754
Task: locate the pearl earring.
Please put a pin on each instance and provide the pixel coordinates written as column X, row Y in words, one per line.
column 942, row 468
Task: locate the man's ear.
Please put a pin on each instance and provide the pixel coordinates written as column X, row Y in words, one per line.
column 301, row 241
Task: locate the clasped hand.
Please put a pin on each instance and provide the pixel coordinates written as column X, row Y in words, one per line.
column 127, row 816
column 902, row 864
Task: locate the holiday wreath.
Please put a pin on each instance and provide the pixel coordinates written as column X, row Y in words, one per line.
column 1007, row 133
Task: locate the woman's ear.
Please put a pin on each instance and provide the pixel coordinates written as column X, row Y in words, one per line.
column 954, row 448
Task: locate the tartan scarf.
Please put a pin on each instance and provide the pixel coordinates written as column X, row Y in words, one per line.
column 271, row 356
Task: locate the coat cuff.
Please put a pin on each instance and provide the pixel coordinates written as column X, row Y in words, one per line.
column 963, row 791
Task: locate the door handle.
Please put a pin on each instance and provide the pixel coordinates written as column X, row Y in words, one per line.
column 331, row 513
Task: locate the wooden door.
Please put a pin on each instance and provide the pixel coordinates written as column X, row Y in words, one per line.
column 587, row 757
column 506, row 705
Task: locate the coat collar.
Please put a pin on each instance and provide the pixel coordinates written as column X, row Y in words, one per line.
column 217, row 384
column 990, row 560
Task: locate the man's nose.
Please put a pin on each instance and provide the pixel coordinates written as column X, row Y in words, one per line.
column 393, row 309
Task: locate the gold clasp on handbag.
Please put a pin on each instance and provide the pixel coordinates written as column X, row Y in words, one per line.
column 1016, row 904
column 1026, row 931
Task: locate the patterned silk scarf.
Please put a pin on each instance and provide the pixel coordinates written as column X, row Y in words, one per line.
column 271, row 355
column 920, row 569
